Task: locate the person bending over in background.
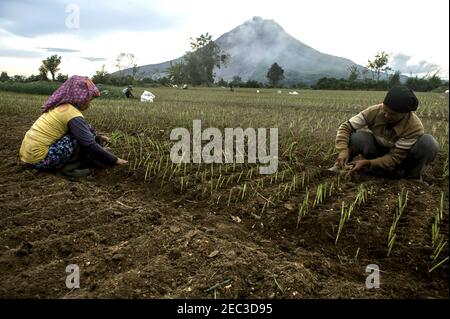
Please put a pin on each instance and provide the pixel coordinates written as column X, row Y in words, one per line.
column 128, row 91
column 61, row 134
column 389, row 136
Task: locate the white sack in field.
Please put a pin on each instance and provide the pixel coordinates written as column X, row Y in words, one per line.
column 147, row 97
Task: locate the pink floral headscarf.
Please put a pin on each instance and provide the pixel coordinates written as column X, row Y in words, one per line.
column 78, row 91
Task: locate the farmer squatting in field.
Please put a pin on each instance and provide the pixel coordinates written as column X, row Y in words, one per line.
column 61, row 134
column 128, row 92
column 389, row 136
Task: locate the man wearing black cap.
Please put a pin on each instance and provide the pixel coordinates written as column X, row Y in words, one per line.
column 389, row 136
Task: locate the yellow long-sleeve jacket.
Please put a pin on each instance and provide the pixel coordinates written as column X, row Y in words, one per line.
column 47, row 129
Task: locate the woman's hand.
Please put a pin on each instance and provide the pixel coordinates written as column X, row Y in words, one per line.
column 121, row 161
column 360, row 164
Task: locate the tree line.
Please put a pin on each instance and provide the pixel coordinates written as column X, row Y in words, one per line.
column 360, row 80
column 49, row 65
column 198, row 64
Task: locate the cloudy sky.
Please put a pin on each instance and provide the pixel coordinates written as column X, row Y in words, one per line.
column 88, row 34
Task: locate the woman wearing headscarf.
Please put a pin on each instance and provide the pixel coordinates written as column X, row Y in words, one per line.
column 389, row 136
column 61, row 130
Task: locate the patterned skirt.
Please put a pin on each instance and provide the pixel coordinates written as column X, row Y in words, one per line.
column 59, row 153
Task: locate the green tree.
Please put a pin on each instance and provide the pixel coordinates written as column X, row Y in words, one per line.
column 134, row 70
column 33, row 78
column 394, row 79
column 379, row 64
column 425, row 83
column 236, row 81
column 252, row 84
column 364, row 73
column 176, row 73
column 43, row 73
column 354, row 73
column 435, row 81
column 164, row 81
column 222, row 82
column 101, row 76
column 51, row 64
column 19, row 78
column 62, row 77
column 275, row 74
column 4, row 77
column 200, row 62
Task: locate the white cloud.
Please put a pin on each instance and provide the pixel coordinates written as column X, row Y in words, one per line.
column 403, row 63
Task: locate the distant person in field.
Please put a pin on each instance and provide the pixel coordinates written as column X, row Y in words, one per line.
column 128, row 91
column 61, row 135
column 389, row 136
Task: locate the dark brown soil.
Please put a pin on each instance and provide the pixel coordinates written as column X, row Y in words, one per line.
column 134, row 240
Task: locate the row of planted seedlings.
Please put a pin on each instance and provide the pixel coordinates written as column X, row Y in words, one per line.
column 236, row 178
column 402, row 202
column 438, row 240
column 146, row 146
column 205, row 179
column 317, row 195
column 321, row 152
column 234, row 183
column 350, row 208
column 210, row 179
column 298, row 182
column 290, row 178
column 146, row 155
column 272, row 189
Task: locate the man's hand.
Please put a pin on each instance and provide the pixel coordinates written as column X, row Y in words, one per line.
column 360, row 164
column 342, row 158
column 121, row 161
column 104, row 139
